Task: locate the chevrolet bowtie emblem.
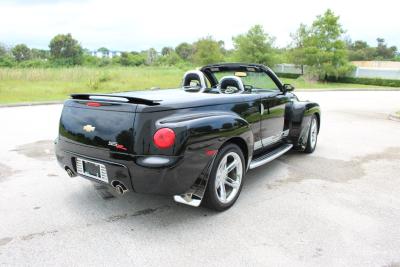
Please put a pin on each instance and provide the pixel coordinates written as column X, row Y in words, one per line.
column 88, row 128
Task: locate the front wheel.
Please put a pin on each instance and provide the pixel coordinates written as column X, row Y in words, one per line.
column 226, row 178
column 312, row 135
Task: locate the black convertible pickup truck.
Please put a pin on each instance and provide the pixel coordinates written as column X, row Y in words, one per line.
column 194, row 143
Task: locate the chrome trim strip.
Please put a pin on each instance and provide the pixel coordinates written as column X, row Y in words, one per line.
column 285, row 148
column 273, row 139
column 257, row 145
column 270, row 140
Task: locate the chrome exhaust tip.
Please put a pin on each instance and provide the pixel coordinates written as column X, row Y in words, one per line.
column 119, row 187
column 70, row 172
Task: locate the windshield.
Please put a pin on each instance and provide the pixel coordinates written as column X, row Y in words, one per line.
column 254, row 81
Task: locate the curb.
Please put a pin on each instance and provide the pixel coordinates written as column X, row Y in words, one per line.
column 394, row 117
column 24, row 104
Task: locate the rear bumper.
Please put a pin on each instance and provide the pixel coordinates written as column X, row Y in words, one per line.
column 142, row 174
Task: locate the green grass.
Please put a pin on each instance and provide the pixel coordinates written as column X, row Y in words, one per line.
column 33, row 85
column 398, row 113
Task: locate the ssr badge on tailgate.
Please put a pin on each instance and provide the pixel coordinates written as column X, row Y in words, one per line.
column 117, row 146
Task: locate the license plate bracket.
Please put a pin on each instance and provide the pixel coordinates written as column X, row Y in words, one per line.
column 92, row 169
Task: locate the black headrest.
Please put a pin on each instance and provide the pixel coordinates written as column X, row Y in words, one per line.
column 194, row 75
column 231, row 81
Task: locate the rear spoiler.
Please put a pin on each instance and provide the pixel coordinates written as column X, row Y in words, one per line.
column 116, row 98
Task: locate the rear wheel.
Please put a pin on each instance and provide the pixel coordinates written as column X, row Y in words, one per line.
column 226, row 178
column 312, row 135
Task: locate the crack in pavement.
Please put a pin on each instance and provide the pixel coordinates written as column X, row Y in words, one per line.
column 33, row 235
column 4, row 241
column 137, row 213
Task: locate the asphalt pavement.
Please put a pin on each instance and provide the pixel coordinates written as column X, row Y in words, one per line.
column 339, row 206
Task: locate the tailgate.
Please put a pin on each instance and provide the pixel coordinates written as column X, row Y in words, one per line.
column 103, row 125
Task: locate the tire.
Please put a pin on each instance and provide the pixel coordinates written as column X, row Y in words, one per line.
column 312, row 135
column 224, row 186
column 102, row 190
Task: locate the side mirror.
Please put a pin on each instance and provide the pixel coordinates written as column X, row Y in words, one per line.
column 287, row 87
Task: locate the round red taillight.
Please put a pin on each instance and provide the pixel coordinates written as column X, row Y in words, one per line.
column 164, row 138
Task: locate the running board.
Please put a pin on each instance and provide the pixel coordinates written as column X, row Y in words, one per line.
column 270, row 156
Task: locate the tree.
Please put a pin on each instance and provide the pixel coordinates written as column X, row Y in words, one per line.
column 321, row 48
column 21, row 52
column 185, row 51
column 151, row 56
column 359, row 45
column 296, row 55
column 166, row 50
column 3, row 50
column 131, row 59
column 254, row 46
column 39, row 53
column 207, row 51
column 6, row 60
column 360, row 50
column 383, row 52
column 65, row 50
column 104, row 51
column 171, row 59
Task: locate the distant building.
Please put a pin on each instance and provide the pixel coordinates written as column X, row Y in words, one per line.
column 109, row 54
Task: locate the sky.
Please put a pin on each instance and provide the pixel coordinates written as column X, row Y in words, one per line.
column 139, row 25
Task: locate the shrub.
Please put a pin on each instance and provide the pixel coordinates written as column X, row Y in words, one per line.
column 7, row 61
column 131, row 59
column 288, row 75
column 34, row 63
column 89, row 60
column 367, row 81
column 171, row 59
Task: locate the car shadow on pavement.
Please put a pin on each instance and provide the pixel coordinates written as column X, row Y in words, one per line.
column 128, row 207
column 132, row 207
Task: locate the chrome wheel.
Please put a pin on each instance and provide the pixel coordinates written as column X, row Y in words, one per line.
column 313, row 133
column 228, row 177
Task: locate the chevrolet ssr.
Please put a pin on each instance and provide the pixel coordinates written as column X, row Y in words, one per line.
column 194, row 143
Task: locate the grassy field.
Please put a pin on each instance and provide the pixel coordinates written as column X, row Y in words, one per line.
column 33, row 85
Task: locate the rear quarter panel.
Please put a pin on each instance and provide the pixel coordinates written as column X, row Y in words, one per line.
column 197, row 128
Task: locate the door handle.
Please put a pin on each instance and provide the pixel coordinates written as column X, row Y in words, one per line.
column 262, row 109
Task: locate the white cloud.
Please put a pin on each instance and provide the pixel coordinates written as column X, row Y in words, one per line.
column 136, row 25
